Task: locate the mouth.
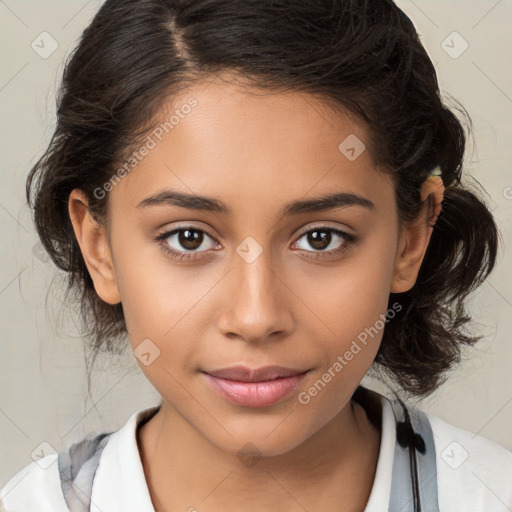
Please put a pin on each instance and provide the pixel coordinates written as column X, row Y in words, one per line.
column 255, row 387
column 246, row 374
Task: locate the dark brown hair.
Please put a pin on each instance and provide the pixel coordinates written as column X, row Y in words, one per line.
column 360, row 55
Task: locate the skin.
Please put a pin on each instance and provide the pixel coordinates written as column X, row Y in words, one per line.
column 290, row 306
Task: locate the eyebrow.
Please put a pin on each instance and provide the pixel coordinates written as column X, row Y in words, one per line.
column 210, row 204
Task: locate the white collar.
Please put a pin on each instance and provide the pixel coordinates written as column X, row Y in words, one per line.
column 381, row 489
column 120, row 484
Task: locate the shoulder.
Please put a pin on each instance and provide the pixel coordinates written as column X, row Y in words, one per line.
column 37, row 486
column 47, row 483
column 474, row 473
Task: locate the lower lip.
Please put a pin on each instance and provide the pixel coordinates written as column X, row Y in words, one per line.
column 255, row 394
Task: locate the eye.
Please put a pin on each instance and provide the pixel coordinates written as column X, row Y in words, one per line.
column 326, row 241
column 183, row 243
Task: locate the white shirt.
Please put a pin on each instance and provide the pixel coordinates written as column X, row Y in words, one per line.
column 474, row 474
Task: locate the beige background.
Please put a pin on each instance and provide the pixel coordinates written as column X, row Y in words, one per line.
column 42, row 386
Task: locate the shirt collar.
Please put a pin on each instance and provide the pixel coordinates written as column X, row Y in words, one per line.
column 381, row 489
column 120, row 483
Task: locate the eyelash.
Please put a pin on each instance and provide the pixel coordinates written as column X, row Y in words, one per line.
column 349, row 240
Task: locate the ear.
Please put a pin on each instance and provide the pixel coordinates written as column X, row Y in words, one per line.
column 93, row 242
column 415, row 237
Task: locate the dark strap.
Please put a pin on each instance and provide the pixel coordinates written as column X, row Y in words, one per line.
column 408, row 493
column 415, row 454
column 414, row 448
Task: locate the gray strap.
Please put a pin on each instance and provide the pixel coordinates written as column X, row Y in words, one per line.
column 77, row 467
column 401, row 484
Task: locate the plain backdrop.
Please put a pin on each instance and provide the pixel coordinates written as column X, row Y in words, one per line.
column 43, row 402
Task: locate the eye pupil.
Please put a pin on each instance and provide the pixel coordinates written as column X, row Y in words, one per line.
column 190, row 238
column 319, row 241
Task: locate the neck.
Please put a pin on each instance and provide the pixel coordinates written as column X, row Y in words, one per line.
column 332, row 469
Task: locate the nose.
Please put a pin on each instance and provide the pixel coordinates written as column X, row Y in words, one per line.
column 257, row 304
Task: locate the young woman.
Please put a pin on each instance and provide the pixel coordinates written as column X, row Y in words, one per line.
column 264, row 200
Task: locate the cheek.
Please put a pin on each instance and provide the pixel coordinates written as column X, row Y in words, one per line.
column 161, row 304
column 169, row 311
column 159, row 310
column 352, row 304
column 157, row 296
column 350, row 297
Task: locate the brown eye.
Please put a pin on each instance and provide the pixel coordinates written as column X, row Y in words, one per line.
column 186, row 243
column 319, row 239
column 190, row 239
column 325, row 241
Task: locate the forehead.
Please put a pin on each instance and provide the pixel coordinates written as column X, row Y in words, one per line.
column 222, row 139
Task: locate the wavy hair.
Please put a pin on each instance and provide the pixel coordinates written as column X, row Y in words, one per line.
column 363, row 56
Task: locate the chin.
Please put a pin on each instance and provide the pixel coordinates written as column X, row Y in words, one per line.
column 257, row 439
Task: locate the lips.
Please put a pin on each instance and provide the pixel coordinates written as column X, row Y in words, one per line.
column 255, row 387
column 245, row 374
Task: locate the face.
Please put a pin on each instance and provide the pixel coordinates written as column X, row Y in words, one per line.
column 247, row 278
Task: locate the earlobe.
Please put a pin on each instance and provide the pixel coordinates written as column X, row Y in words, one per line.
column 92, row 239
column 415, row 237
